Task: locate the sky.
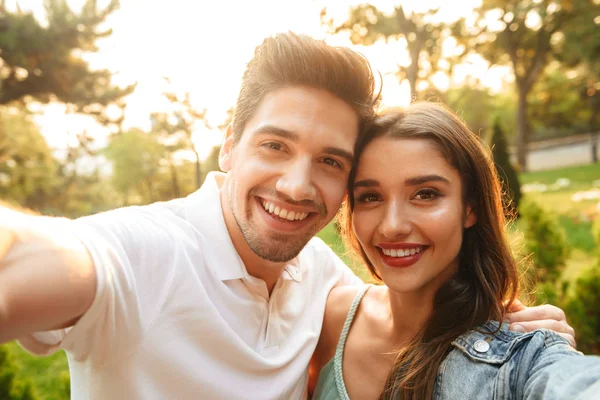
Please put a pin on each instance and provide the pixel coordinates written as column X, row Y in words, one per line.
column 203, row 47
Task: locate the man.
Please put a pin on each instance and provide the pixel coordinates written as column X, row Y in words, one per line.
column 220, row 294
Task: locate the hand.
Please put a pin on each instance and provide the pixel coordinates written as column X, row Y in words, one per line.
column 526, row 319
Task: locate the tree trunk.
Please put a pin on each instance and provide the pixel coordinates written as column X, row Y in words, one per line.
column 593, row 135
column 174, row 179
column 412, row 71
column 522, row 130
column 198, row 169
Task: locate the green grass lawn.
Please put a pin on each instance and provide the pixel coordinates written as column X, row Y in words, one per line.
column 583, row 174
column 49, row 375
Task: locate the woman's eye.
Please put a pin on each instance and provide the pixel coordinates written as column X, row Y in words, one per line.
column 427, row 194
column 367, row 198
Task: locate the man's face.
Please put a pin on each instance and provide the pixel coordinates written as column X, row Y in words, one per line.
column 288, row 172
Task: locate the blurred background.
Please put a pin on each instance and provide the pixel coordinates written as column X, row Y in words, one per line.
column 106, row 104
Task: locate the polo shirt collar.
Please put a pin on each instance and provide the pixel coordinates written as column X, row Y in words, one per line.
column 203, row 211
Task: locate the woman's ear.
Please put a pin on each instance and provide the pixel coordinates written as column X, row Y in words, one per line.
column 470, row 217
column 226, row 151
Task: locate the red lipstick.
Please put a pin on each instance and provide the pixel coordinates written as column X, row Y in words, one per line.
column 403, row 261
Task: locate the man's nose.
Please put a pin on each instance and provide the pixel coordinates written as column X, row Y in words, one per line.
column 296, row 181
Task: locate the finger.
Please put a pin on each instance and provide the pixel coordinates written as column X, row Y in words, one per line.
column 570, row 338
column 516, row 306
column 550, row 324
column 545, row 311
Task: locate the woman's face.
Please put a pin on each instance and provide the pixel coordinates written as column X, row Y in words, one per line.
column 409, row 214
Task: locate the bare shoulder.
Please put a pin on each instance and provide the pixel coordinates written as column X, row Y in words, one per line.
column 338, row 304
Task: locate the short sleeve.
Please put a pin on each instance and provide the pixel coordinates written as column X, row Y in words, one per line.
column 134, row 254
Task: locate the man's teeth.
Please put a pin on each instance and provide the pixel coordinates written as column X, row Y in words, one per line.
column 282, row 212
column 402, row 252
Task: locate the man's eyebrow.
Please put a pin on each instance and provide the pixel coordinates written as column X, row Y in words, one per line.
column 336, row 151
column 285, row 134
column 419, row 180
column 273, row 130
column 366, row 183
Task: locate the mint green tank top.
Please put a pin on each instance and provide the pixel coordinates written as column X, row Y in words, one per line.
column 330, row 385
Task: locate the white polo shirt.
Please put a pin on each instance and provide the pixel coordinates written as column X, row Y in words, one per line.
column 176, row 315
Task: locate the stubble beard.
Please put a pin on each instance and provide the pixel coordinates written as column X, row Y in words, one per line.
column 272, row 246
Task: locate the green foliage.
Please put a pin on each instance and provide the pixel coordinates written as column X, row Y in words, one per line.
column 27, row 167
column 135, row 169
column 545, row 241
column 579, row 233
column 45, row 61
column 584, row 313
column 506, row 172
column 12, row 388
column 330, row 235
column 49, row 375
column 557, row 103
column 422, row 31
column 525, row 36
column 475, row 104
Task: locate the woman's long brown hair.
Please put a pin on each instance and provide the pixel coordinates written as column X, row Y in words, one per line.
column 487, row 277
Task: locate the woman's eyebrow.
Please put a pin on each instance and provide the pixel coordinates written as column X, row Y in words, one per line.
column 419, row 180
column 366, row 183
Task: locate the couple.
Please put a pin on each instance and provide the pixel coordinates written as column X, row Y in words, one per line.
column 222, row 294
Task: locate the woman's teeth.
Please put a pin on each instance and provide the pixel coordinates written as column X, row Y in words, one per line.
column 282, row 212
column 402, row 252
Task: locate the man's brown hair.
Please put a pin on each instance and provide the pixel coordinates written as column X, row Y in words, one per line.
column 288, row 59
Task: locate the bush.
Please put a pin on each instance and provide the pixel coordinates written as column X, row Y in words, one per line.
column 10, row 387
column 546, row 241
column 507, row 173
column 584, row 313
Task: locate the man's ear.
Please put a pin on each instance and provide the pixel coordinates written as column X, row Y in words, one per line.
column 226, row 151
column 471, row 218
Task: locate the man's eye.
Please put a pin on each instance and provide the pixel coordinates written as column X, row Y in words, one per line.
column 273, row 146
column 332, row 162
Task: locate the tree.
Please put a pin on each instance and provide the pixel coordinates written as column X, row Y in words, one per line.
column 556, row 105
column 27, row 166
column 212, row 161
column 187, row 118
column 506, row 172
column 422, row 32
column 478, row 107
column 136, row 158
column 43, row 61
column 581, row 49
column 525, row 34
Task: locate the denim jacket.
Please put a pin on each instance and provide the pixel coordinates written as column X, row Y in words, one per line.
column 510, row 365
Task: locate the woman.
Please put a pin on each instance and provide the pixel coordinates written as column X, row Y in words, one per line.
column 425, row 215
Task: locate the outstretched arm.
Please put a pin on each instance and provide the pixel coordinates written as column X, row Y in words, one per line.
column 47, row 278
column 559, row 372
